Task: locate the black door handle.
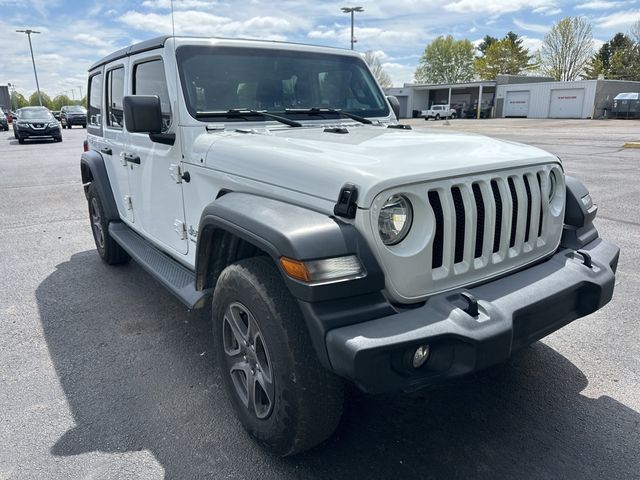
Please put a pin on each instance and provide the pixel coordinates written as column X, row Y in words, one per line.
column 128, row 157
column 106, row 151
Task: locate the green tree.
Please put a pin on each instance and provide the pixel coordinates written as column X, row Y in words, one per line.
column 621, row 47
column 18, row 100
column 487, row 41
column 46, row 100
column 507, row 56
column 59, row 101
column 446, row 60
column 567, row 48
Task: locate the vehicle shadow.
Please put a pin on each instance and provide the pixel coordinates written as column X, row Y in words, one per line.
column 138, row 374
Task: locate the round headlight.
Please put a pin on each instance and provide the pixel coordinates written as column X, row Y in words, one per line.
column 553, row 182
column 395, row 219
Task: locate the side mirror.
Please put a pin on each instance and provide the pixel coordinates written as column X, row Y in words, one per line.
column 142, row 113
column 395, row 105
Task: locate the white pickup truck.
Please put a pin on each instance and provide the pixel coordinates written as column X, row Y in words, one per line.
column 438, row 112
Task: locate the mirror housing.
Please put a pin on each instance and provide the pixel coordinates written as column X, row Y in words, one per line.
column 395, row 105
column 142, row 113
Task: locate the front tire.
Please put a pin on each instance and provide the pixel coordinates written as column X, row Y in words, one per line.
column 282, row 395
column 108, row 249
column 437, row 117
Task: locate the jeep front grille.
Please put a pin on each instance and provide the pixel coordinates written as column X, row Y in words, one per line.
column 500, row 216
column 473, row 228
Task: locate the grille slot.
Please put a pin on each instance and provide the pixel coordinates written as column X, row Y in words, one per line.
column 498, row 202
column 514, row 212
column 458, row 206
column 528, row 226
column 477, row 196
column 438, row 244
column 538, row 176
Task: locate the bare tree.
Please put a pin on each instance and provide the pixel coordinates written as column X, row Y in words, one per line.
column 634, row 33
column 567, row 48
column 378, row 70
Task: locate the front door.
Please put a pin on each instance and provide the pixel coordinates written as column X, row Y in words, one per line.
column 156, row 191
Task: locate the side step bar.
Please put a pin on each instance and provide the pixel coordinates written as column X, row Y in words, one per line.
column 177, row 278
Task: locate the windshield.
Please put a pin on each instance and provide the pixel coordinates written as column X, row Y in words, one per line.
column 39, row 113
column 218, row 79
column 76, row 109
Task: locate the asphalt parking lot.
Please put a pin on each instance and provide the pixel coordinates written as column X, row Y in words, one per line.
column 104, row 375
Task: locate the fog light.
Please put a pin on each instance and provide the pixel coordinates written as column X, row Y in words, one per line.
column 420, row 356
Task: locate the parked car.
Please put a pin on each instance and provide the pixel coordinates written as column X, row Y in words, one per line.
column 334, row 244
column 4, row 123
column 472, row 112
column 36, row 122
column 438, row 111
column 71, row 115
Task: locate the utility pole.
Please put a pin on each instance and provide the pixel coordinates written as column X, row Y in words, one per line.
column 35, row 72
column 352, row 10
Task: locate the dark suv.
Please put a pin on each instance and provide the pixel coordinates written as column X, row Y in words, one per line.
column 36, row 122
column 4, row 124
column 71, row 115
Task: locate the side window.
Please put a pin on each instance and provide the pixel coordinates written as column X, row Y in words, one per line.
column 115, row 94
column 149, row 79
column 95, row 100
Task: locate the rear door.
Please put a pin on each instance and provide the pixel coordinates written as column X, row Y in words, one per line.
column 155, row 185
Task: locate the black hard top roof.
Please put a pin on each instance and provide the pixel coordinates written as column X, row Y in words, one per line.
column 157, row 42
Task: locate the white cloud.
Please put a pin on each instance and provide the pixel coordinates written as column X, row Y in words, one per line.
column 598, row 5
column 496, row 7
column 547, row 11
column 533, row 44
column 619, row 19
column 200, row 23
column 399, row 73
column 91, row 40
column 531, row 27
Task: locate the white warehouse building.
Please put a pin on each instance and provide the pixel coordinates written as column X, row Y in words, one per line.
column 516, row 96
column 579, row 99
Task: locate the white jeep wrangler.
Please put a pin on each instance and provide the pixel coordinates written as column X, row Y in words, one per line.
column 274, row 181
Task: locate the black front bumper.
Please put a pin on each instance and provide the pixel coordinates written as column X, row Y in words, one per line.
column 514, row 311
column 30, row 132
column 79, row 120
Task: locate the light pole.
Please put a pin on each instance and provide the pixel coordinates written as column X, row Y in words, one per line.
column 352, row 10
column 29, row 32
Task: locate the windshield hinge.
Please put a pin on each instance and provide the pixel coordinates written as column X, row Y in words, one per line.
column 175, row 171
column 346, row 206
column 180, row 228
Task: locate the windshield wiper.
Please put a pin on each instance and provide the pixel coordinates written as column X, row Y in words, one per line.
column 320, row 111
column 242, row 112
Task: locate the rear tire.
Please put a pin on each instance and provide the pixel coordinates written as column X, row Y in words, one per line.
column 108, row 249
column 282, row 395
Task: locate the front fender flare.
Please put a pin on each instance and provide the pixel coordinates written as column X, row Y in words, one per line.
column 281, row 229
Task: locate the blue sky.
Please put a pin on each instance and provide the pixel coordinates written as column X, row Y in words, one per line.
column 77, row 33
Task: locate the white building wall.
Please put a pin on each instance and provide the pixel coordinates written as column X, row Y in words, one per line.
column 540, row 96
